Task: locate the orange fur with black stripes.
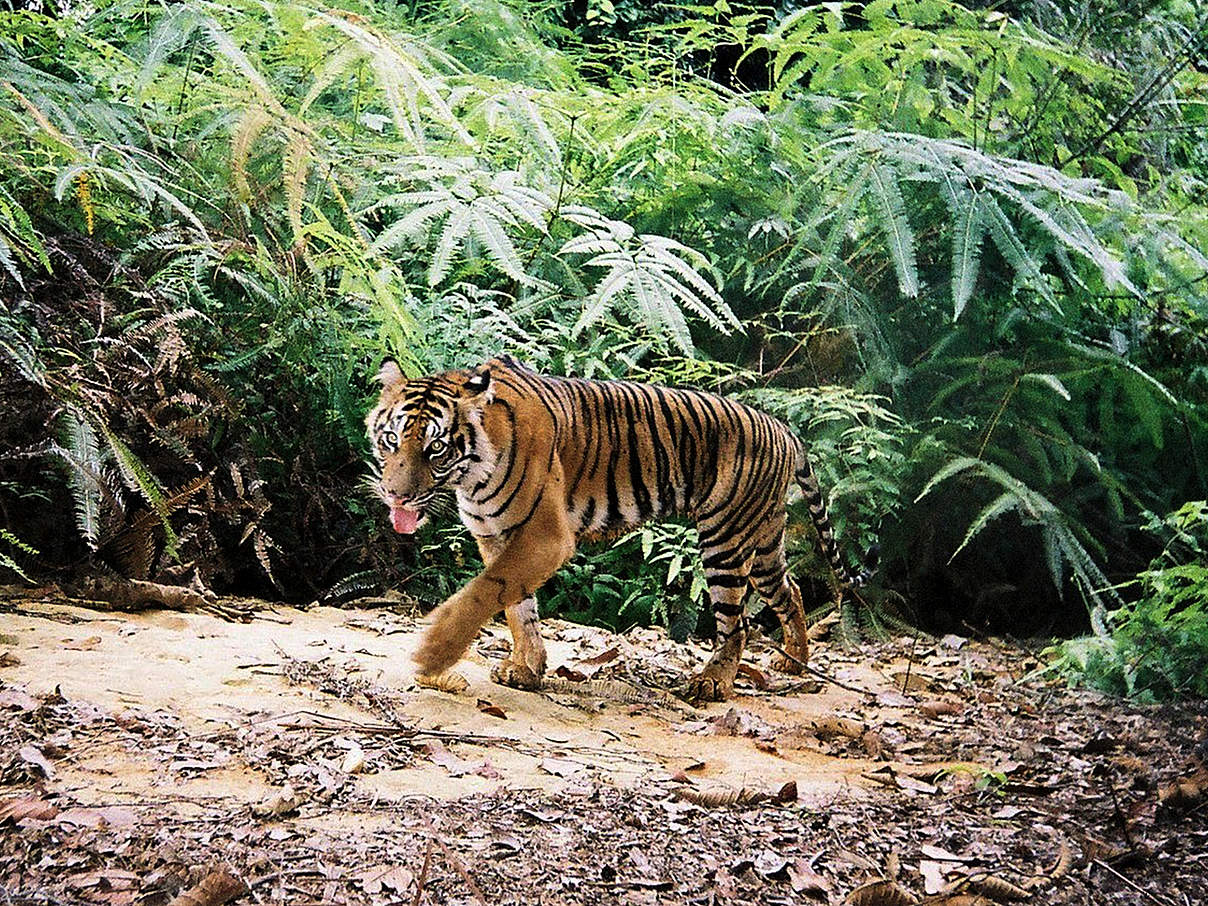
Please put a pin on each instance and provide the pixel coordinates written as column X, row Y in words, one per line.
column 540, row 463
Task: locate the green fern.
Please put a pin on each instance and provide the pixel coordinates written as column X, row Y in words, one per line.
column 968, row 231
column 79, row 450
column 407, row 74
column 6, row 559
column 650, row 272
column 19, row 242
column 896, row 227
column 1061, row 545
column 472, row 204
column 975, row 187
column 18, row 346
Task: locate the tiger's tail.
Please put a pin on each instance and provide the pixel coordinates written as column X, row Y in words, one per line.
column 816, row 502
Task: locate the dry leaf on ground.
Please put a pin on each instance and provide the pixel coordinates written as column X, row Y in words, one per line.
column 216, row 888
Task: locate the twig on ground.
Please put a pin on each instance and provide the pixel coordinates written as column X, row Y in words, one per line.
column 910, row 663
column 422, row 881
column 1118, row 812
column 820, row 674
column 455, row 863
column 1134, row 885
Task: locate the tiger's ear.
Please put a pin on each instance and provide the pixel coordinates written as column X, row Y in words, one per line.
column 390, row 373
column 478, row 382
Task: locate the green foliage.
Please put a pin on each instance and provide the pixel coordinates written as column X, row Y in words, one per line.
column 961, row 253
column 15, row 548
column 653, row 574
column 648, row 272
column 19, row 241
column 1156, row 647
column 1062, row 547
column 855, row 445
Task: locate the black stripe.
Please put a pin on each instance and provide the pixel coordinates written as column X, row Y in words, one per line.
column 637, row 483
column 614, row 438
column 727, row 580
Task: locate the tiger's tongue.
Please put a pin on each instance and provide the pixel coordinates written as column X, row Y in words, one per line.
column 404, row 519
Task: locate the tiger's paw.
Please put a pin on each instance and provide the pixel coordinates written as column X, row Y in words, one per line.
column 450, row 681
column 710, row 686
column 446, row 639
column 516, row 675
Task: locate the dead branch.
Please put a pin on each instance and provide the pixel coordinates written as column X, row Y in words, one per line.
column 108, row 593
column 422, row 881
column 456, row 864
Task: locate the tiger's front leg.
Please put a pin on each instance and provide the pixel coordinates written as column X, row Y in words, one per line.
column 524, row 667
column 518, row 566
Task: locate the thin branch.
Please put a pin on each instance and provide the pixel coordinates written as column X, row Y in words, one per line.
column 1181, row 60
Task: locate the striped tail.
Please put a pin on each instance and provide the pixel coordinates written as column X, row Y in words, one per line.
column 814, row 499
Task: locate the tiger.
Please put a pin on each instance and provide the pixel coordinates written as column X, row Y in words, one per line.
column 540, row 464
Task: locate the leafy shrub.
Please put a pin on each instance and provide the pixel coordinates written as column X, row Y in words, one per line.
column 960, row 252
column 1156, row 647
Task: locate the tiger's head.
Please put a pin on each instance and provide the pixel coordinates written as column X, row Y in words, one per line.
column 427, row 435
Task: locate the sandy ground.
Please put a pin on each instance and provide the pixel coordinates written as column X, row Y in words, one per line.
column 212, row 673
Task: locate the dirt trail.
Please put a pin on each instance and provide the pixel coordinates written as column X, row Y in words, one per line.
column 212, row 673
column 140, row 752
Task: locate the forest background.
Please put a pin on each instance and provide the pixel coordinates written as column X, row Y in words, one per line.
column 959, row 247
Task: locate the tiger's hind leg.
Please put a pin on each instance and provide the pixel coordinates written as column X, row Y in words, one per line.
column 715, row 682
column 771, row 579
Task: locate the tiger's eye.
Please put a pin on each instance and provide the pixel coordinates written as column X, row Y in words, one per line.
column 390, row 439
column 436, row 448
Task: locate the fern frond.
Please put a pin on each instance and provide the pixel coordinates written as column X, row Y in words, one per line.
column 251, row 124
column 405, row 74
column 516, row 107
column 335, row 65
column 225, row 46
column 1017, row 254
column 6, row 560
column 853, row 194
column 1048, row 380
column 456, row 228
column 968, row 231
column 490, row 232
column 137, row 477
column 651, row 272
column 18, row 238
column 8, row 262
column 1061, row 544
column 16, row 347
column 80, row 452
column 295, row 166
column 896, row 227
column 1004, row 503
column 413, row 224
column 169, row 34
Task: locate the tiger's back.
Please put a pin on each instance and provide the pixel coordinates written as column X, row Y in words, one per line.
column 539, row 463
